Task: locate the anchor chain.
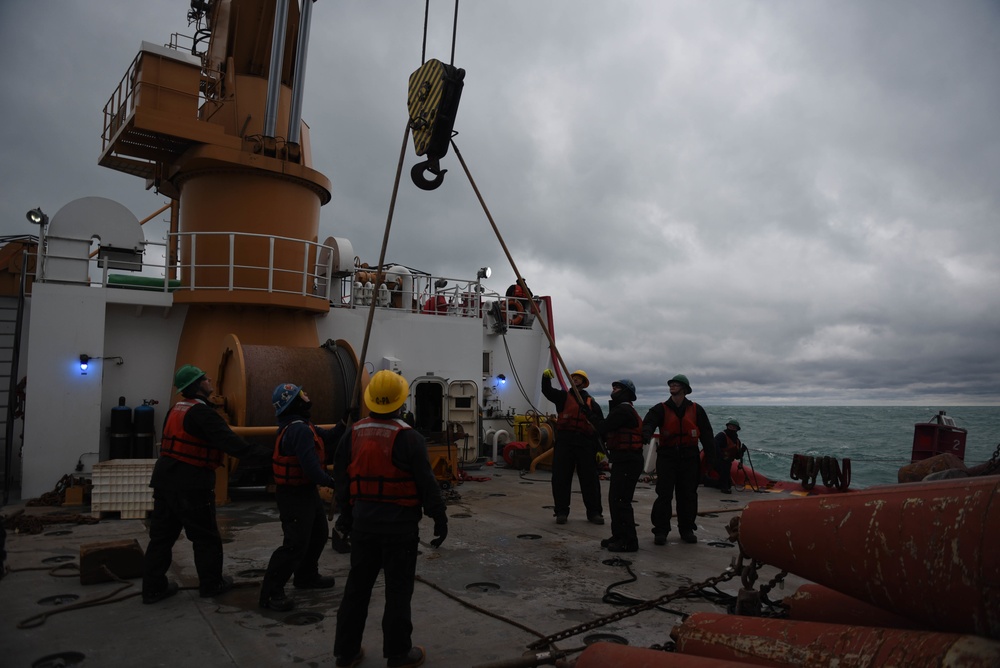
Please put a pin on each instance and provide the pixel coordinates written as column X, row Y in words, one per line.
column 547, row 641
column 994, row 463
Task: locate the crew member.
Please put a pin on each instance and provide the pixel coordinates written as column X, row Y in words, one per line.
column 682, row 424
column 622, row 433
column 383, row 480
column 575, row 448
column 195, row 440
column 299, row 454
column 727, row 447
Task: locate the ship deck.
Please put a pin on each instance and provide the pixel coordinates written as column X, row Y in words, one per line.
column 506, row 575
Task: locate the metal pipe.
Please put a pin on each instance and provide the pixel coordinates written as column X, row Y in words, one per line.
column 298, row 84
column 274, row 73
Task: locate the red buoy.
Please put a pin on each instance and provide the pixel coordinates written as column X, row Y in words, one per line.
column 780, row 642
column 926, row 551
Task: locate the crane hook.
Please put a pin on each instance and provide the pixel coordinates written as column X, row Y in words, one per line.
column 421, row 181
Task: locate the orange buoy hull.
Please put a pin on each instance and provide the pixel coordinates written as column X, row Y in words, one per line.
column 925, row 551
column 780, row 642
column 816, row 603
column 606, row 655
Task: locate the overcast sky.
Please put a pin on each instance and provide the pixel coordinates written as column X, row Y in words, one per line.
column 790, row 202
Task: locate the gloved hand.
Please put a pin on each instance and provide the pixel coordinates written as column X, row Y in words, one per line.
column 548, row 373
column 440, row 530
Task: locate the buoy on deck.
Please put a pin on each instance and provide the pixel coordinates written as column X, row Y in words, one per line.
column 926, row 551
column 816, row 603
column 605, row 654
column 780, row 642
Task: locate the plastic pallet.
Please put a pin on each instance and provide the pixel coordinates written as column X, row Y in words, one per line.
column 122, row 486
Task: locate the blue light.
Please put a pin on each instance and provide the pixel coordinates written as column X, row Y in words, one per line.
column 502, row 378
column 84, row 363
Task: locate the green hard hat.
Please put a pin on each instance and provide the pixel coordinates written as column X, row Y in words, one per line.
column 733, row 422
column 187, row 375
column 682, row 379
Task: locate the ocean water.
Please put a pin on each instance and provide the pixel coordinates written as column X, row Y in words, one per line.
column 877, row 439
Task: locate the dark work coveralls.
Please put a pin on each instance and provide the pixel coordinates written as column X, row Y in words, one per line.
column 574, row 451
column 300, row 508
column 384, row 538
column 184, row 498
column 626, row 467
column 678, row 466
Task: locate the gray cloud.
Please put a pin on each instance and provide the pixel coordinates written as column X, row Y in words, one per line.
column 789, row 202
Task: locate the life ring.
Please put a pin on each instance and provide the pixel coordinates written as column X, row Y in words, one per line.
column 513, row 311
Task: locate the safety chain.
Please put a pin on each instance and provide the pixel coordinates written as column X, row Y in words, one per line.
column 547, row 641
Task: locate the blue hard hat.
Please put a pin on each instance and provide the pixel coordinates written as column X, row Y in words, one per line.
column 283, row 396
column 628, row 385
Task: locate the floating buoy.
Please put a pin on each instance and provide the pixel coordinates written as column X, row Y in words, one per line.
column 926, row 551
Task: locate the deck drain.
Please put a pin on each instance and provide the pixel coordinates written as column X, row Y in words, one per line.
column 616, row 561
column 720, row 543
column 525, row 482
column 730, row 501
column 61, row 532
column 460, row 516
column 529, row 536
column 483, row 587
column 548, row 507
column 59, row 599
column 304, row 618
column 604, row 637
column 59, row 660
column 709, row 515
column 498, row 494
column 252, row 573
column 58, row 560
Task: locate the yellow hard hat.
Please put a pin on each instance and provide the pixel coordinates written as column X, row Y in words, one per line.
column 386, row 392
column 582, row 374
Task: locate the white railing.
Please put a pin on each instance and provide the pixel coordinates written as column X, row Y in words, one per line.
column 283, row 266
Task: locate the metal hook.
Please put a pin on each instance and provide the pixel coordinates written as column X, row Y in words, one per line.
column 421, row 181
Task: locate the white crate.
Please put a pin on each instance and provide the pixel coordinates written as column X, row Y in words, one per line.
column 122, row 486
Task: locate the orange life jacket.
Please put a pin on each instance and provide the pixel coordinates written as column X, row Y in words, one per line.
column 184, row 447
column 733, row 448
column 626, row 438
column 676, row 432
column 287, row 468
column 571, row 418
column 372, row 475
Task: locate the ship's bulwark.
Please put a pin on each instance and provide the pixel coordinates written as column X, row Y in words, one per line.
column 926, row 551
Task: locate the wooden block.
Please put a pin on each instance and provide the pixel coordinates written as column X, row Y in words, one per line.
column 74, row 496
column 121, row 557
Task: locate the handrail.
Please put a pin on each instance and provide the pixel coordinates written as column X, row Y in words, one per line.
column 228, row 271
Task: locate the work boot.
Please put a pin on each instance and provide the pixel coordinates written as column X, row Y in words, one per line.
column 660, row 539
column 608, row 541
column 596, row 518
column 351, row 661
column 156, row 597
column 624, row 546
column 315, row 582
column 561, row 519
column 219, row 588
column 415, row 657
column 688, row 537
column 276, row 600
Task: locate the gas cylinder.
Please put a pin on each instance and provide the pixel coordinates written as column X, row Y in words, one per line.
column 120, row 431
column 144, row 429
